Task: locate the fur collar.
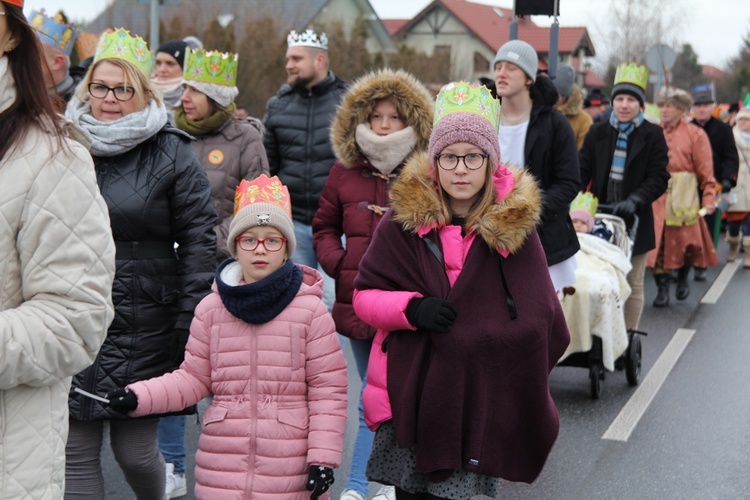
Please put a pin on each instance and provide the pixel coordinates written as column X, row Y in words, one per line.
column 410, row 96
column 416, row 204
column 574, row 104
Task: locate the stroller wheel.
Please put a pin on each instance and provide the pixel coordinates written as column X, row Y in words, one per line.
column 596, row 374
column 633, row 360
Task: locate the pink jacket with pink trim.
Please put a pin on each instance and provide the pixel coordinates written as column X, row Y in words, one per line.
column 279, row 400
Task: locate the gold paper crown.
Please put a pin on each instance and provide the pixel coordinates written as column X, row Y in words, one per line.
column 585, row 201
column 632, row 73
column 307, row 39
column 263, row 190
column 211, row 67
column 54, row 31
column 119, row 44
column 468, row 98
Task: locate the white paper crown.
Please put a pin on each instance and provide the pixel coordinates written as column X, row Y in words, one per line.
column 307, row 39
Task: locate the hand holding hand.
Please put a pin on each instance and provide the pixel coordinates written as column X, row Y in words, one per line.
column 122, row 400
column 319, row 479
column 431, row 313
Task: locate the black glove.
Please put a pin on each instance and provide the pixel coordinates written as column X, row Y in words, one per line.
column 122, row 400
column 726, row 186
column 319, row 480
column 177, row 353
column 627, row 207
column 431, row 313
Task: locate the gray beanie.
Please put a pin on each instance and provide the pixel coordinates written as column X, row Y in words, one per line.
column 565, row 79
column 521, row 54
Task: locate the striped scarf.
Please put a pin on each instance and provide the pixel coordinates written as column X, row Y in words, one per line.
column 616, row 173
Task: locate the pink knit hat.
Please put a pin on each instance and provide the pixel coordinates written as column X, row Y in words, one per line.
column 466, row 113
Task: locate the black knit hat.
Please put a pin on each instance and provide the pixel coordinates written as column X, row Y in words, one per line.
column 176, row 49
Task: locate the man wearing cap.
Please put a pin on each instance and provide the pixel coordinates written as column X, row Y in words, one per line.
column 723, row 151
column 297, row 121
column 58, row 39
column 597, row 106
column 537, row 137
column 624, row 164
column 682, row 238
column 570, row 102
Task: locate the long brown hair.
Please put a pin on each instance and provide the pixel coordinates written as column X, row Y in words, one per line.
column 32, row 105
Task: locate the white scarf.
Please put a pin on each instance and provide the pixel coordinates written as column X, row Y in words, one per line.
column 7, row 85
column 121, row 135
column 385, row 152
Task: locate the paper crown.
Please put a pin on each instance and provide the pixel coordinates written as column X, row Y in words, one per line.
column 119, row 44
column 54, row 31
column 467, row 98
column 585, row 201
column 211, row 67
column 307, row 39
column 262, row 190
column 632, row 73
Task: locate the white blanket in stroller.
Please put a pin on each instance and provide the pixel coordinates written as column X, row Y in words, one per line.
column 597, row 306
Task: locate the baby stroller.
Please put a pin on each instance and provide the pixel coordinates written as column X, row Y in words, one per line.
column 614, row 348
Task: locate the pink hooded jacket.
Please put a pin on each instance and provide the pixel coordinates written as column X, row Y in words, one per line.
column 279, row 396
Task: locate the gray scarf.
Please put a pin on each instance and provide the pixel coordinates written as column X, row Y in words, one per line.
column 119, row 136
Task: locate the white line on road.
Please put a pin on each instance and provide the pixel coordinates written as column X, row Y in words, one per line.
column 714, row 293
column 638, row 403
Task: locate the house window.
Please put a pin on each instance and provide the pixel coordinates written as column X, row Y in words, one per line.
column 443, row 51
column 481, row 64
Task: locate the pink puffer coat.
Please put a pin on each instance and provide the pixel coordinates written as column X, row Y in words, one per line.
column 279, row 397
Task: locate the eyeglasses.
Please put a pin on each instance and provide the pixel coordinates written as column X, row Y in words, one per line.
column 249, row 244
column 473, row 161
column 100, row 91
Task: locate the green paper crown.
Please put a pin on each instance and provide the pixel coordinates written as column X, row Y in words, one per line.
column 632, row 73
column 119, row 44
column 211, row 67
column 585, row 201
column 467, row 98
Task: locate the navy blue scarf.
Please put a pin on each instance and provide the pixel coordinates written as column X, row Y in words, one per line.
column 260, row 302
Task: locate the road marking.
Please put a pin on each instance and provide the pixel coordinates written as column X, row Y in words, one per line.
column 638, row 403
column 714, row 293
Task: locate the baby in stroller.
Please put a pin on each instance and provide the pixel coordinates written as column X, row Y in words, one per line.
column 594, row 305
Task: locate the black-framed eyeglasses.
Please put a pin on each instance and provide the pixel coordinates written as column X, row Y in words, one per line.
column 271, row 244
column 473, row 161
column 100, row 91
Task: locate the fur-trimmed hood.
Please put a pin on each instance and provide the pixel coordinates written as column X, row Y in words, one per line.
column 416, row 204
column 574, row 104
column 412, row 99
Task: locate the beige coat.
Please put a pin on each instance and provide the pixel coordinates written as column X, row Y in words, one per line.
column 55, row 303
column 742, row 190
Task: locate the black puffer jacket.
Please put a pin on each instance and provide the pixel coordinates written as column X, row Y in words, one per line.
column 552, row 157
column 297, row 141
column 157, row 195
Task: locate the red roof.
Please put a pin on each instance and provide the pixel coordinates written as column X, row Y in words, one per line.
column 394, row 25
column 492, row 26
column 712, row 72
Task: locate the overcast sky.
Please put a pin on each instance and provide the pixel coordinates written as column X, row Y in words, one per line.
column 713, row 27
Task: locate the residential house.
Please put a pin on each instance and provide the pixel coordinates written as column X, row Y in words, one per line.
column 289, row 14
column 471, row 33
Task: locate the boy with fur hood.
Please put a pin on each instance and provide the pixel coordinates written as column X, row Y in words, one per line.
column 469, row 325
column 384, row 117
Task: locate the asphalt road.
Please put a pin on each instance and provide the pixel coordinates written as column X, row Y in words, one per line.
column 689, row 440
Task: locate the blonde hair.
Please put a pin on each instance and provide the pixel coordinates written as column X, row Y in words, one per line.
column 134, row 77
column 487, row 197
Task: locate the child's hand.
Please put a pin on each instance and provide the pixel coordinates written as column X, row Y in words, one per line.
column 319, row 480
column 122, row 400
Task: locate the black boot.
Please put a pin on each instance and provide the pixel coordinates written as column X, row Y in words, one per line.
column 662, row 297
column 683, row 288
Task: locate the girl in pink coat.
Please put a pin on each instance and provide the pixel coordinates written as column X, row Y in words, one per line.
column 264, row 345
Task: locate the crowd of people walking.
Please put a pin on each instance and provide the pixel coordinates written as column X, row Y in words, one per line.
column 161, row 250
